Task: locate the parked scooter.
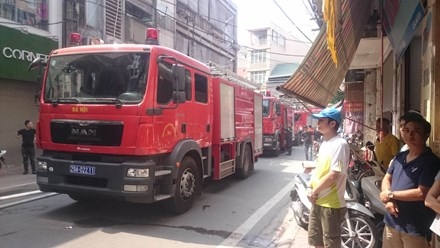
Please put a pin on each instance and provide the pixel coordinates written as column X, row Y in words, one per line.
column 366, row 171
column 357, row 229
column 2, row 158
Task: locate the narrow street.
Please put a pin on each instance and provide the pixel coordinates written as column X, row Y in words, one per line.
column 231, row 213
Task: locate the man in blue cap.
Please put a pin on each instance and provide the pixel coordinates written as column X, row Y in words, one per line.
column 327, row 184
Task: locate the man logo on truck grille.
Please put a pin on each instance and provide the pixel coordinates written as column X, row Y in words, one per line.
column 83, row 132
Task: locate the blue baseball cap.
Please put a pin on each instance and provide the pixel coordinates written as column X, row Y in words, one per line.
column 331, row 113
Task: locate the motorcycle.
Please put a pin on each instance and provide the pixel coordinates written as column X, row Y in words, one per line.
column 358, row 227
column 2, row 158
column 367, row 174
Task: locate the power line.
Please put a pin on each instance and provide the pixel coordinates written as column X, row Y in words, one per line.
column 292, row 21
column 305, row 6
column 284, row 54
column 177, row 21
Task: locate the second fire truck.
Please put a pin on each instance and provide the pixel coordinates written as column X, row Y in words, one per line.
column 277, row 117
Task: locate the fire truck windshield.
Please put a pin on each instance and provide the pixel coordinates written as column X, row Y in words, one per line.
column 266, row 107
column 97, row 78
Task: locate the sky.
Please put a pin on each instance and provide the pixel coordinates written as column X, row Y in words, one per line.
column 258, row 13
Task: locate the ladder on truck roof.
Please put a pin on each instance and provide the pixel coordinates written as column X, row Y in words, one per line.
column 291, row 101
column 218, row 71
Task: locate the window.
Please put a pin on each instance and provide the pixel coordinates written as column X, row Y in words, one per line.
column 258, row 56
column 201, row 88
column 258, row 76
column 139, row 13
column 282, row 41
column 274, row 36
column 164, row 84
column 32, row 13
column 266, row 106
column 278, row 39
column 188, row 89
column 262, row 40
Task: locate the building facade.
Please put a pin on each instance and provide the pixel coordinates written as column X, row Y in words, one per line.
column 28, row 31
column 203, row 29
column 269, row 46
column 395, row 65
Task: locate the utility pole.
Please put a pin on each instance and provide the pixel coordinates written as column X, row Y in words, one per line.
column 155, row 13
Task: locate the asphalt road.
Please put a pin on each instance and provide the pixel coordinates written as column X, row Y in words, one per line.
column 254, row 212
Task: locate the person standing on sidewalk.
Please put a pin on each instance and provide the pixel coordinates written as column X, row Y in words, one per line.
column 27, row 137
column 327, row 184
column 404, row 187
column 306, row 136
column 289, row 139
column 387, row 145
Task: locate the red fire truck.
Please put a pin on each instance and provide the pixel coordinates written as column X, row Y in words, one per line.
column 141, row 123
column 277, row 116
column 303, row 118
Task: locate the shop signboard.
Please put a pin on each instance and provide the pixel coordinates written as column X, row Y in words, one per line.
column 354, row 112
column 401, row 21
column 18, row 49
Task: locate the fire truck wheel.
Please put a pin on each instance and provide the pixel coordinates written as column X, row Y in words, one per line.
column 187, row 185
column 247, row 163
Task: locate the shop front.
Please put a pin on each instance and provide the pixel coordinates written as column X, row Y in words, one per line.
column 18, row 85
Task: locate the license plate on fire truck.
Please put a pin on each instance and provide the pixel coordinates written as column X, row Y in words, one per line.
column 82, row 169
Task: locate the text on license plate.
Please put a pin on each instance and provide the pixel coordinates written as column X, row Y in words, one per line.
column 82, row 169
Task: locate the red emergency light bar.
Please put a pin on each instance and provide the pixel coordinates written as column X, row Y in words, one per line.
column 152, row 36
column 75, row 38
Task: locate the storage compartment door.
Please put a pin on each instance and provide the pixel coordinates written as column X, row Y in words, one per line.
column 227, row 110
column 258, row 115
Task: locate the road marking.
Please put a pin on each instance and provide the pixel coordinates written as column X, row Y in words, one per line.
column 17, row 186
column 45, row 195
column 19, row 195
column 238, row 234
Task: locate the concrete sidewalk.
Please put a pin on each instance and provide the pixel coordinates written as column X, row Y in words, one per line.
column 293, row 236
column 11, row 176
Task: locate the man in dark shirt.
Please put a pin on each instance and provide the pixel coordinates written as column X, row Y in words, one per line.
column 307, row 141
column 27, row 136
column 405, row 186
column 289, row 141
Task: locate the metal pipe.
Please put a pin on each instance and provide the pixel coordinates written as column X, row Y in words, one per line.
column 381, row 72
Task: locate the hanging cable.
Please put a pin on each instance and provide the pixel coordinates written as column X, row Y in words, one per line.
column 292, row 21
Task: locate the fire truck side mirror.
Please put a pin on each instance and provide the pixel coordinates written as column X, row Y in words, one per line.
column 179, row 77
column 278, row 109
column 179, row 97
column 37, row 63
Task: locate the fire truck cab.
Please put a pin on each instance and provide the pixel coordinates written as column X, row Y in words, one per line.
column 277, row 116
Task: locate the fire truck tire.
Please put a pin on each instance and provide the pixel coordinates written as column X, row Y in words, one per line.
column 247, row 163
column 187, row 186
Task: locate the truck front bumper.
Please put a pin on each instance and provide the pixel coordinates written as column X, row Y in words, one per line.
column 269, row 143
column 97, row 179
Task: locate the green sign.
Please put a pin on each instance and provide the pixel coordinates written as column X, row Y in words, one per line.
column 18, row 50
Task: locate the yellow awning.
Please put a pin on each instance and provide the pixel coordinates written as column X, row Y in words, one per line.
column 317, row 79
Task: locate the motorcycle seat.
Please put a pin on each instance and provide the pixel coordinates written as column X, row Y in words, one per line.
column 305, row 178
